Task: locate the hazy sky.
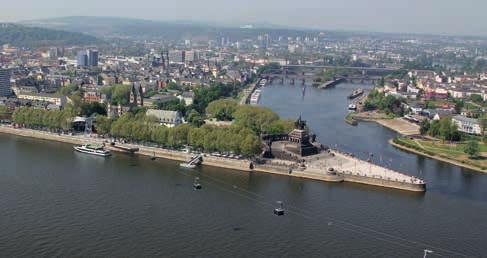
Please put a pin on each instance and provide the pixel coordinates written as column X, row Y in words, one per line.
column 420, row 16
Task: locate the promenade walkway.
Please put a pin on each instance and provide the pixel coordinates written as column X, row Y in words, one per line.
column 346, row 164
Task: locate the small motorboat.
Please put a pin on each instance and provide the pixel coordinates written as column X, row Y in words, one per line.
column 196, row 184
column 280, row 210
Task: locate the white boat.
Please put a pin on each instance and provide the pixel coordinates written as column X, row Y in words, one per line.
column 185, row 165
column 94, row 149
column 352, row 107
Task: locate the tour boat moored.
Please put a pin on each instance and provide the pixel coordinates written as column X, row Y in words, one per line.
column 94, row 149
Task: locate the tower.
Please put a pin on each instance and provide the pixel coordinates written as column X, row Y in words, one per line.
column 5, row 87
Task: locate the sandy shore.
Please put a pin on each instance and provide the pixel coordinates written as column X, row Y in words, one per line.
column 399, row 125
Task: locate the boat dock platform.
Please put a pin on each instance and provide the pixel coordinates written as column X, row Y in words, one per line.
column 121, row 148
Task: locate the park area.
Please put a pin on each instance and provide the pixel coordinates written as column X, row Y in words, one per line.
column 450, row 152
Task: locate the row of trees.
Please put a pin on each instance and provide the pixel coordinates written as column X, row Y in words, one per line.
column 41, row 118
column 222, row 109
column 117, row 94
column 206, row 95
column 258, row 119
column 142, row 128
column 443, row 129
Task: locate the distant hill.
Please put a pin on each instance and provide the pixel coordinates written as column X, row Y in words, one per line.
column 138, row 28
column 23, row 36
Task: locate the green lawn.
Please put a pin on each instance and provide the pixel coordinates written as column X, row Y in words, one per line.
column 450, row 151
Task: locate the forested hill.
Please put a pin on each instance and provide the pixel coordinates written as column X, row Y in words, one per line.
column 22, row 36
column 149, row 29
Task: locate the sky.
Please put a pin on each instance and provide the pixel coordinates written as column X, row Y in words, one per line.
column 452, row 17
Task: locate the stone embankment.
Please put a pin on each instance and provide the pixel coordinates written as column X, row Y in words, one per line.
column 315, row 171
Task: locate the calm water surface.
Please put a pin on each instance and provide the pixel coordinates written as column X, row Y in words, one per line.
column 55, row 202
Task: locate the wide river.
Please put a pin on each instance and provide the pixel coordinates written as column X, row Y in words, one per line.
column 56, row 202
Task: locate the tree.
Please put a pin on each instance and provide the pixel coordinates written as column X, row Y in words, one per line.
column 103, row 124
column 483, row 125
column 120, row 94
column 88, row 109
column 222, row 109
column 173, row 105
column 472, row 149
column 476, row 98
column 424, row 126
column 251, row 145
column 194, row 118
column 459, row 106
column 279, row 127
column 254, row 118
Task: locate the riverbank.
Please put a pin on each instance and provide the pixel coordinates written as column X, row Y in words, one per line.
column 436, row 157
column 143, row 150
column 397, row 124
column 242, row 165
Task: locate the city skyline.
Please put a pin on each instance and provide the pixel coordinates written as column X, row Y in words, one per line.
column 432, row 17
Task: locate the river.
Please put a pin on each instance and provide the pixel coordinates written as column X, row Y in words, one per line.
column 56, row 202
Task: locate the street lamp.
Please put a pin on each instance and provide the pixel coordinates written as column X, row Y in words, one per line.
column 426, row 252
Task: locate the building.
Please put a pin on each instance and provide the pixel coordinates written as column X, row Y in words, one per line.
column 92, row 57
column 116, row 111
column 82, row 59
column 176, row 56
column 93, row 96
column 467, row 125
column 190, row 56
column 5, row 86
column 188, row 97
column 87, row 58
column 136, row 96
column 166, row 117
column 55, row 99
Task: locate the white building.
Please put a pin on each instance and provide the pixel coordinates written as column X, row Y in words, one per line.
column 188, row 97
column 55, row 99
column 467, row 125
column 166, row 117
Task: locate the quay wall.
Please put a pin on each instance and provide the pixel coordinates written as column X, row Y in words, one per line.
column 242, row 165
column 360, row 179
column 143, row 150
column 299, row 174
